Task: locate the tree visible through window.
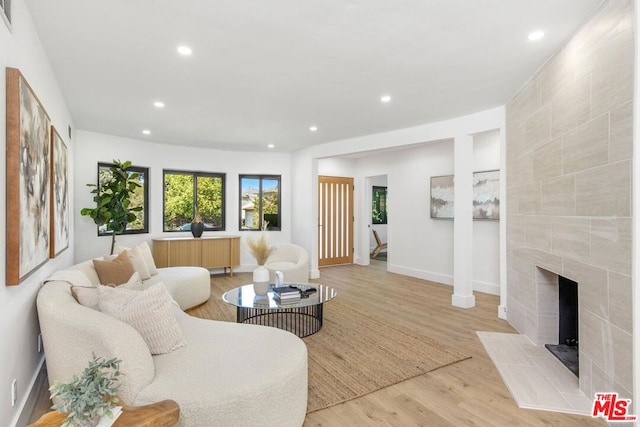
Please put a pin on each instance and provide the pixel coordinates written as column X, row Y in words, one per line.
column 260, row 202
column 188, row 193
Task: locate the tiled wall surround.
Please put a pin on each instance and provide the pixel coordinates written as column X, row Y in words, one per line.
column 569, row 149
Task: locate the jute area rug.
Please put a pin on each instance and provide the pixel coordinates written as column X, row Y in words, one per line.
column 356, row 353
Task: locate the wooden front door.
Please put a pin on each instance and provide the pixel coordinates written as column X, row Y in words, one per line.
column 335, row 220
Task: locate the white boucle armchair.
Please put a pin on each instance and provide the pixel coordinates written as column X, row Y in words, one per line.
column 292, row 260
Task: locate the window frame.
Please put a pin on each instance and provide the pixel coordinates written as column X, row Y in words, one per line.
column 195, row 175
column 260, row 178
column 142, row 170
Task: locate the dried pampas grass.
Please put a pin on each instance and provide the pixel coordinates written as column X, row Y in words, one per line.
column 259, row 248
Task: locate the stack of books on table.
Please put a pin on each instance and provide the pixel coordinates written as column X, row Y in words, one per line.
column 285, row 294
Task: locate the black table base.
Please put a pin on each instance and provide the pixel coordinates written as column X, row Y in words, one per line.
column 302, row 321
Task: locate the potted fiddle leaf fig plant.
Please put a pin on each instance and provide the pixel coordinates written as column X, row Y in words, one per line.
column 113, row 200
column 87, row 398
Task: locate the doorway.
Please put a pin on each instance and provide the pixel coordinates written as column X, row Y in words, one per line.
column 335, row 220
column 377, row 211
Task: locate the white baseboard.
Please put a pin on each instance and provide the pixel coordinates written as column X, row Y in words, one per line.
column 486, row 287
column 478, row 285
column 246, row 268
column 421, row 274
column 502, row 312
column 31, row 398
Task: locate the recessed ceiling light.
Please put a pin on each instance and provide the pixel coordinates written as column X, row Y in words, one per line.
column 270, row 146
column 536, row 35
column 313, row 128
column 146, row 132
column 158, row 104
column 184, row 50
column 385, row 98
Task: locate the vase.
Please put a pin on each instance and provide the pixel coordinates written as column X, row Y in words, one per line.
column 197, row 228
column 261, row 280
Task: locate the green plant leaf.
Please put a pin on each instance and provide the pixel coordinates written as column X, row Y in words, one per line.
column 112, row 196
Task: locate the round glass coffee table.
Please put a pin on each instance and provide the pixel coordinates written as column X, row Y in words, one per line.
column 302, row 317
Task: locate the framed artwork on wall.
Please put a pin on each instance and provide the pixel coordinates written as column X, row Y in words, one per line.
column 28, row 180
column 442, row 197
column 59, row 195
column 379, row 205
column 486, row 195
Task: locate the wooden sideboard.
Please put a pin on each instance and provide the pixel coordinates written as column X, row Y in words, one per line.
column 207, row 252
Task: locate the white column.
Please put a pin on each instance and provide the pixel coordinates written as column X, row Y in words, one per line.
column 463, row 223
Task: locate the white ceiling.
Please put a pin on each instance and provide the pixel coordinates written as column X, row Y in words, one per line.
column 264, row 71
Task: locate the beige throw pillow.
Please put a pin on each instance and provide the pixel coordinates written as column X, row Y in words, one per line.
column 114, row 272
column 150, row 312
column 139, row 264
column 134, row 283
column 145, row 250
column 88, row 295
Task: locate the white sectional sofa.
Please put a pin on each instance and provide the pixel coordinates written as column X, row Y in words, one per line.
column 189, row 286
column 227, row 374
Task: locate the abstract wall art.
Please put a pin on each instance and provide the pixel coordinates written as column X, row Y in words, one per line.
column 28, row 180
column 486, row 195
column 59, row 195
column 442, row 197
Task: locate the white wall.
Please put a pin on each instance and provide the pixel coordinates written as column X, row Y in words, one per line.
column 390, row 154
column 342, row 167
column 418, row 245
column 94, row 147
column 19, row 359
column 304, row 211
column 486, row 234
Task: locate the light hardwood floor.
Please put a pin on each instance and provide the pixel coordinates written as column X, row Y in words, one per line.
column 468, row 393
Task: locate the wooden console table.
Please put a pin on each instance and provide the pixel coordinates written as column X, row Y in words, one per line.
column 160, row 414
column 207, row 252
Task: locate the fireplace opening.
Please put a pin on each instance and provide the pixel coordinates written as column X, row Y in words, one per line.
column 567, row 348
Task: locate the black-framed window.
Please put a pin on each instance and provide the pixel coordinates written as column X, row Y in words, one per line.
column 140, row 197
column 379, row 205
column 189, row 193
column 260, row 202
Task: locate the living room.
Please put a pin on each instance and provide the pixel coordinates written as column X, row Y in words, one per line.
column 419, row 247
